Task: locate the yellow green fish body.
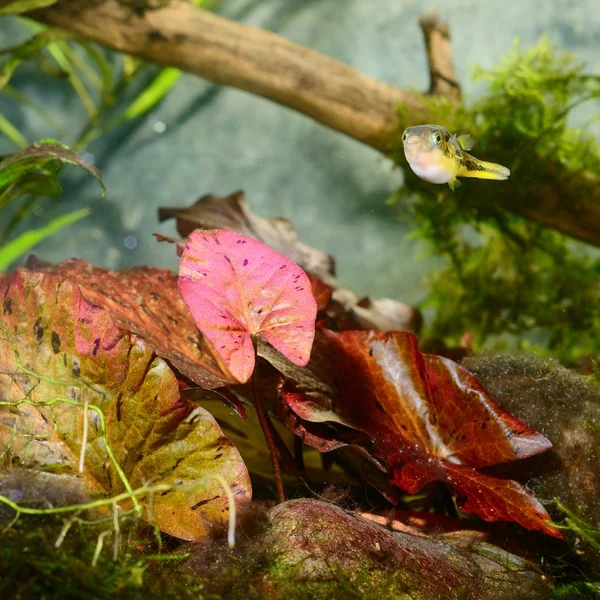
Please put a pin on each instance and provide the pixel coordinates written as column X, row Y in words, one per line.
column 437, row 156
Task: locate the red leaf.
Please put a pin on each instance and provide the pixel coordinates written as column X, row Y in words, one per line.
column 146, row 301
column 236, row 287
column 427, row 417
column 321, row 291
column 496, row 499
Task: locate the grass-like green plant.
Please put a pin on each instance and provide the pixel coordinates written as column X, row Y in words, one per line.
column 511, row 282
column 26, row 175
column 100, row 87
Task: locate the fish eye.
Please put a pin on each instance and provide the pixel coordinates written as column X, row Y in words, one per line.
column 438, row 137
column 404, row 136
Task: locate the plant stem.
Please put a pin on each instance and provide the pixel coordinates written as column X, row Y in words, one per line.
column 266, row 427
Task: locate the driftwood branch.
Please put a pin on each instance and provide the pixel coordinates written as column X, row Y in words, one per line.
column 245, row 57
column 439, row 56
column 325, row 89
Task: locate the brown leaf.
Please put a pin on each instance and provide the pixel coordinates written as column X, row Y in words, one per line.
column 233, row 213
column 348, row 312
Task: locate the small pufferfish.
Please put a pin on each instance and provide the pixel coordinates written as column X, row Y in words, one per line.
column 439, row 157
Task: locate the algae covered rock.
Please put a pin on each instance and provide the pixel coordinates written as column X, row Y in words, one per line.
column 314, row 549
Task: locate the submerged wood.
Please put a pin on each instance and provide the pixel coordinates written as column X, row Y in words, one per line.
column 263, row 63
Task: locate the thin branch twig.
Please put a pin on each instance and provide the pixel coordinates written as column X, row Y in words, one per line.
column 439, row 57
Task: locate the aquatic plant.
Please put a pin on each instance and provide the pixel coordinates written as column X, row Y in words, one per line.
column 26, row 175
column 100, row 89
column 75, row 386
column 238, row 289
column 101, row 375
column 503, row 273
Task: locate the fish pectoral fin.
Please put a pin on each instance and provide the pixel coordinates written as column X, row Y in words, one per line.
column 454, row 183
column 466, row 141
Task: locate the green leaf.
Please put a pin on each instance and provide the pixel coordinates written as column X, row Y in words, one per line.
column 39, row 184
column 22, row 6
column 48, row 67
column 26, row 241
column 11, row 132
column 39, row 154
column 206, row 4
column 160, row 86
column 91, row 401
column 79, row 62
column 26, row 50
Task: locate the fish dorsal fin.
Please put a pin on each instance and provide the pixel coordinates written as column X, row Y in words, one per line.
column 466, row 141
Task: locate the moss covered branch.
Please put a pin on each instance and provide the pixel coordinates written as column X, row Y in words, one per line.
column 260, row 62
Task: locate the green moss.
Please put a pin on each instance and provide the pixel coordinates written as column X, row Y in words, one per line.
column 31, row 566
column 512, row 282
column 573, row 591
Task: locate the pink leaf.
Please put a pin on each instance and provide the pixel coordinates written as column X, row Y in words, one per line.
column 236, row 287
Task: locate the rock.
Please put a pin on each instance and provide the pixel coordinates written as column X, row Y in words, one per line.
column 311, row 549
column 322, row 542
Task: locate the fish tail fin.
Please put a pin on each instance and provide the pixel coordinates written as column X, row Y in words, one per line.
column 473, row 167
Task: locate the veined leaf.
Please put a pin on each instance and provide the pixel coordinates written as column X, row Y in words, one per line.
column 427, row 419
column 37, row 155
column 146, row 301
column 26, row 241
column 92, row 402
column 236, row 288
